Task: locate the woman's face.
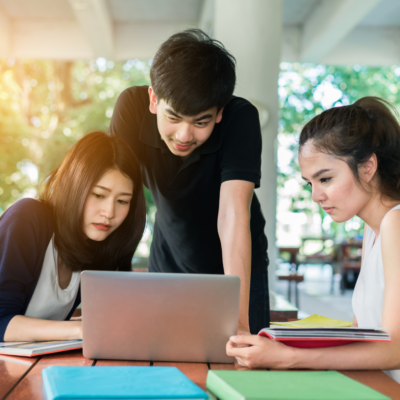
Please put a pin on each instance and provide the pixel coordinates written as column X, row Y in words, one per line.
column 107, row 205
column 333, row 184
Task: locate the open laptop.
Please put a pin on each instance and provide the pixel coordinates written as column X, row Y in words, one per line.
column 158, row 317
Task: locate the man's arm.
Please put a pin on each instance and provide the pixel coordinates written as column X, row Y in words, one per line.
column 235, row 236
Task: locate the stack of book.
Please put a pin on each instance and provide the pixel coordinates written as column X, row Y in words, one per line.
column 317, row 331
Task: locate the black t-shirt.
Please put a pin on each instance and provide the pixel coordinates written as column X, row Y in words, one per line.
column 186, row 195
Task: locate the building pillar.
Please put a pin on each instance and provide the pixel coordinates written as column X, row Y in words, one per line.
column 252, row 30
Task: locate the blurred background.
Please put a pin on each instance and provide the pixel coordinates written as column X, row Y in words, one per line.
column 63, row 64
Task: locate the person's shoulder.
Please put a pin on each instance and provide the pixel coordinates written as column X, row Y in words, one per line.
column 132, row 104
column 28, row 206
column 390, row 224
column 28, row 211
column 238, row 115
column 135, row 94
column 389, row 241
column 239, row 106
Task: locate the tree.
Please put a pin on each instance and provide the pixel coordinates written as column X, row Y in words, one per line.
column 46, row 106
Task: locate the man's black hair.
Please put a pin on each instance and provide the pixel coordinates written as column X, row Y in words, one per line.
column 193, row 73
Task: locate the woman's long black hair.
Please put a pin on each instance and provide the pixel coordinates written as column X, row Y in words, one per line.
column 67, row 188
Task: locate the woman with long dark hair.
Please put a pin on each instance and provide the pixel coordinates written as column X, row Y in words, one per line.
column 350, row 157
column 90, row 216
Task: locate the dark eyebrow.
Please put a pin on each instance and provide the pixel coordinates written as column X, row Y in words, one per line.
column 205, row 116
column 171, row 112
column 108, row 190
column 317, row 174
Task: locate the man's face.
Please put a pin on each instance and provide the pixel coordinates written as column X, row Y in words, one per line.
column 182, row 134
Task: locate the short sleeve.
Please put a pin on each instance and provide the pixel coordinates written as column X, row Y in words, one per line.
column 25, row 231
column 127, row 117
column 241, row 144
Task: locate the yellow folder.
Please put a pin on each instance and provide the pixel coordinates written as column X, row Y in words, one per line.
column 315, row 321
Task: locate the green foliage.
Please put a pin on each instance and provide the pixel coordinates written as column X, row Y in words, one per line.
column 13, row 140
column 46, row 106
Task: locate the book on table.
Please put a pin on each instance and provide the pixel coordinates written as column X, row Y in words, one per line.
column 134, row 383
column 33, row 349
column 287, row 385
column 317, row 331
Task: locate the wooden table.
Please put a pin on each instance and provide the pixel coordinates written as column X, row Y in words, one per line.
column 20, row 378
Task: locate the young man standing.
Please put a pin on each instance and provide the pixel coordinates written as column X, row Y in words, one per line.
column 200, row 152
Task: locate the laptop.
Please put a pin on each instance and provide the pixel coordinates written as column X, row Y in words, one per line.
column 158, row 316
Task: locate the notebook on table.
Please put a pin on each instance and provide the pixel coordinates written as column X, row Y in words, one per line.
column 33, row 349
column 134, row 383
column 324, row 337
column 287, row 385
column 317, row 331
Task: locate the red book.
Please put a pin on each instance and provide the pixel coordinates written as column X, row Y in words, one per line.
column 324, row 337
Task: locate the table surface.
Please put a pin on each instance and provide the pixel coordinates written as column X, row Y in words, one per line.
column 20, row 377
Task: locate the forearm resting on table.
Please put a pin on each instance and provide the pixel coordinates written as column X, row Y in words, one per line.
column 27, row 329
column 362, row 355
column 234, row 232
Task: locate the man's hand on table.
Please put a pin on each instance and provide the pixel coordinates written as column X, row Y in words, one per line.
column 253, row 351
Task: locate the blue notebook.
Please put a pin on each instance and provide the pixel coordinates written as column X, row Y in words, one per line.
column 96, row 383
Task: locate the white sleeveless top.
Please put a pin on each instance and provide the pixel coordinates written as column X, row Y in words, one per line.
column 49, row 301
column 370, row 287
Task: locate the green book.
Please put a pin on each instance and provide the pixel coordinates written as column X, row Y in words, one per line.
column 287, row 385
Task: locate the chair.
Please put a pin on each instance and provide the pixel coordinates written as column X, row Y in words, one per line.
column 326, row 253
column 350, row 261
column 292, row 275
column 295, row 277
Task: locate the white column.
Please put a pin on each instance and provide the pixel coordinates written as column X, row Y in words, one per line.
column 5, row 48
column 96, row 22
column 251, row 30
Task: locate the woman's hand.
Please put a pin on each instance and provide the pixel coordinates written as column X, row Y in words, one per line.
column 253, row 351
column 78, row 327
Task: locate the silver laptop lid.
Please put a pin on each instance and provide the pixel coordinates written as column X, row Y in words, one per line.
column 160, row 317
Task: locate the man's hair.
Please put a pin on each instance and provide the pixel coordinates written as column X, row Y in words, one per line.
column 193, row 73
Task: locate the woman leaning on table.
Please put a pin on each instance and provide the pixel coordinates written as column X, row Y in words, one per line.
column 90, row 215
column 350, row 157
